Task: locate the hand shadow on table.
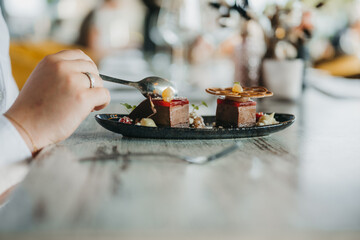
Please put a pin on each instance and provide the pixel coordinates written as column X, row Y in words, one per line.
column 102, row 155
column 114, row 155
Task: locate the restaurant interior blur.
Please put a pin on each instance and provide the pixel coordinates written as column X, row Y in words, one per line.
column 305, row 178
column 196, row 44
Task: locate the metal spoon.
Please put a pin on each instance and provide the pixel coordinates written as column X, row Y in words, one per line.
column 152, row 86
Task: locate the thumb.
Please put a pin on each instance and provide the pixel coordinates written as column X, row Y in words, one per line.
column 100, row 97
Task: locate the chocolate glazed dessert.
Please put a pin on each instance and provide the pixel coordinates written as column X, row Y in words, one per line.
column 234, row 106
column 174, row 113
column 171, row 114
column 145, row 109
column 235, row 114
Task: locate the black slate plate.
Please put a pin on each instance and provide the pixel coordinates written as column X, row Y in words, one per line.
column 111, row 123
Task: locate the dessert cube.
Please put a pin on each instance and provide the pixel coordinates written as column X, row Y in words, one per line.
column 171, row 114
column 231, row 113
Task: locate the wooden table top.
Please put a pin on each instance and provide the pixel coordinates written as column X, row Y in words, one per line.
column 303, row 182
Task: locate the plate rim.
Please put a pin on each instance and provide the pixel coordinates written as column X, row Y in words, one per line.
column 290, row 121
column 143, row 132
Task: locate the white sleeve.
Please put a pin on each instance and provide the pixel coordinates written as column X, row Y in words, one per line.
column 12, row 146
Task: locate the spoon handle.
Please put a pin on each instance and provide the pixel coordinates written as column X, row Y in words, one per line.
column 117, row 80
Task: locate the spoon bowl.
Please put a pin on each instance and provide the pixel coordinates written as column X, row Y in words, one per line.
column 149, row 86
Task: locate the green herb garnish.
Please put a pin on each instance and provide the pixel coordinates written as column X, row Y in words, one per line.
column 129, row 108
column 196, row 107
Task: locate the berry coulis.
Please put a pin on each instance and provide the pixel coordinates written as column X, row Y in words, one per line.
column 234, row 103
column 174, row 102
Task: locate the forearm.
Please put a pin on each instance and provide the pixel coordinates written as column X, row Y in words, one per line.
column 23, row 133
column 13, row 147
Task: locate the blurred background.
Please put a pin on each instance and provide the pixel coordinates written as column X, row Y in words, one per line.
column 195, row 43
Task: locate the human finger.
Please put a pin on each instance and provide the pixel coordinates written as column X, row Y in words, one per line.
column 85, row 79
column 72, row 55
column 76, row 66
column 98, row 97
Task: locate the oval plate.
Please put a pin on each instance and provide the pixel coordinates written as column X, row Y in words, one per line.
column 111, row 123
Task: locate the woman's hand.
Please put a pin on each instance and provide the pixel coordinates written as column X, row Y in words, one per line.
column 57, row 97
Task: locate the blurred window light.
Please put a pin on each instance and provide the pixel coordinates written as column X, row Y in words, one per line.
column 231, row 2
column 190, row 18
column 119, row 34
column 27, row 9
column 258, row 6
column 67, row 9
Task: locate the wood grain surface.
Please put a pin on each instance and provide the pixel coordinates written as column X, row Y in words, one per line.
column 301, row 183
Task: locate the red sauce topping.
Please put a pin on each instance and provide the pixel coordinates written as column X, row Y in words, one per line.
column 126, row 120
column 235, row 104
column 174, row 102
column 259, row 115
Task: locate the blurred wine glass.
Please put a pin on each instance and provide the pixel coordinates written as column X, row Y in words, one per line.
column 180, row 23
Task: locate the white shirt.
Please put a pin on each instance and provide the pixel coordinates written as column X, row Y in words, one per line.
column 12, row 147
